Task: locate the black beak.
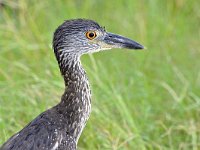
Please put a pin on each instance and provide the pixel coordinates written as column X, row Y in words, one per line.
column 118, row 41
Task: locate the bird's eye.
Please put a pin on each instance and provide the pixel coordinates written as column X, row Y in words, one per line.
column 91, row 35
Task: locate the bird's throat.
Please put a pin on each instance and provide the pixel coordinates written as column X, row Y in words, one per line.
column 76, row 100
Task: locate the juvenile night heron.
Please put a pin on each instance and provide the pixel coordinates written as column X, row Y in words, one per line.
column 60, row 127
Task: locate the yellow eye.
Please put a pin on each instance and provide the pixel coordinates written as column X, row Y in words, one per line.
column 91, row 35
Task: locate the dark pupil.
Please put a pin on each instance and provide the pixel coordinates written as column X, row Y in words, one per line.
column 91, row 34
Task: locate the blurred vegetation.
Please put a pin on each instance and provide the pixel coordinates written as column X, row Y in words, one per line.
column 142, row 100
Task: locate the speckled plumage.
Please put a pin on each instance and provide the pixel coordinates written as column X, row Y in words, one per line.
column 60, row 127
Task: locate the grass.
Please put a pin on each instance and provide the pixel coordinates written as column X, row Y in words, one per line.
column 146, row 100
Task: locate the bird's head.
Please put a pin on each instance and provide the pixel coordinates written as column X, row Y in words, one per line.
column 81, row 36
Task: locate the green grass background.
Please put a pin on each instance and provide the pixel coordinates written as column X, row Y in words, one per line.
column 142, row 100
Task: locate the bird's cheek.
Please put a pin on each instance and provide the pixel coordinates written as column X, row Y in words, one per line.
column 104, row 46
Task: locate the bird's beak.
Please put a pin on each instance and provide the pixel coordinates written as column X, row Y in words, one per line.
column 117, row 41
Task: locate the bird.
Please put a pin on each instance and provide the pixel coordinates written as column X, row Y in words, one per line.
column 60, row 127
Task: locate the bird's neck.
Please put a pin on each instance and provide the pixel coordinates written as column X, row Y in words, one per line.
column 76, row 101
